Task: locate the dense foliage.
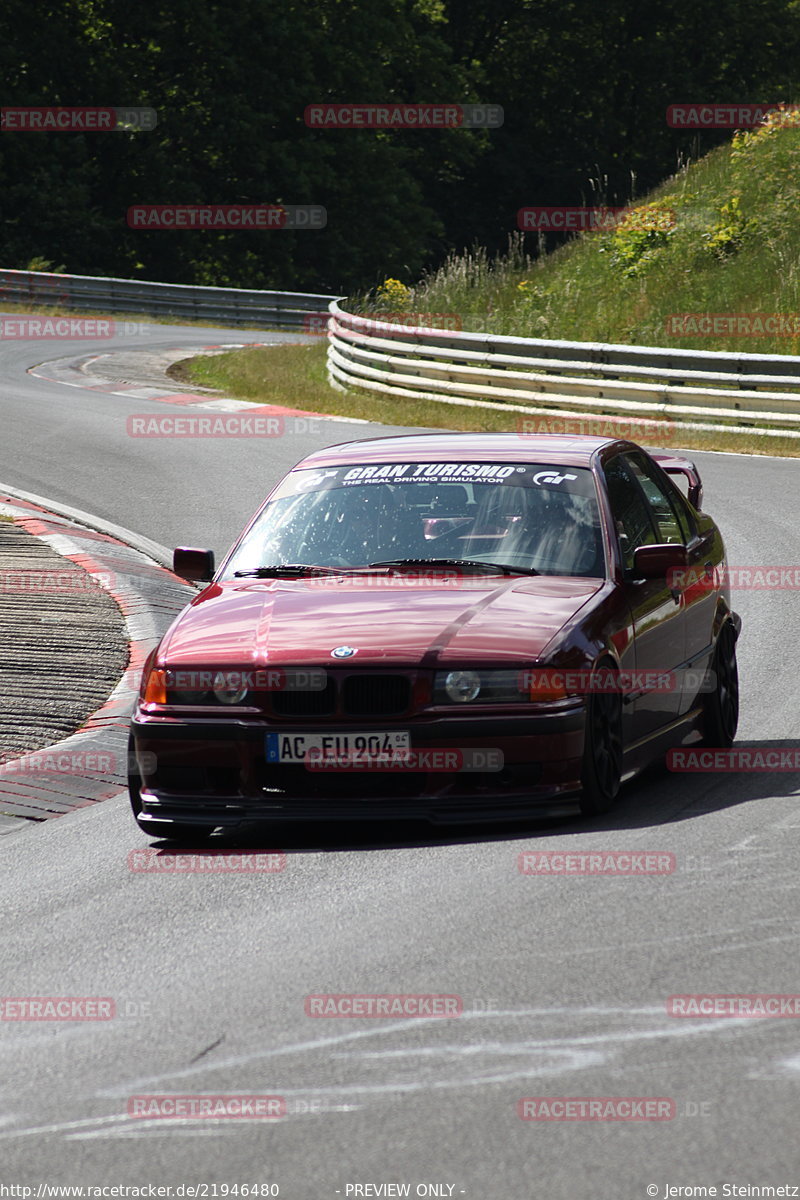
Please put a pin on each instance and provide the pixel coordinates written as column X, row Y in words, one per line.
column 584, row 88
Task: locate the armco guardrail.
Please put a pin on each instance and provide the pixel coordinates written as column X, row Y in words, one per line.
column 224, row 306
column 491, row 371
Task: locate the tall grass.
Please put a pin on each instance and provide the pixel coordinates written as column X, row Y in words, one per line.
column 733, row 247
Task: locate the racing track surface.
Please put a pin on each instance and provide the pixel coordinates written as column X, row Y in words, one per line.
column 564, row 980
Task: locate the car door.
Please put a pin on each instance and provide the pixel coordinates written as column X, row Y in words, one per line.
column 656, row 609
column 675, row 524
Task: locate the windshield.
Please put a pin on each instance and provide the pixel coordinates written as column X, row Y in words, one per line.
column 532, row 517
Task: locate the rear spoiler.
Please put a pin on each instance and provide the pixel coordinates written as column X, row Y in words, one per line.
column 683, row 466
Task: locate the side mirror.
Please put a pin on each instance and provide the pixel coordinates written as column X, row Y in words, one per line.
column 654, row 562
column 197, row 566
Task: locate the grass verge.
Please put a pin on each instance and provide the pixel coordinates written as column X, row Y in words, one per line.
column 295, row 376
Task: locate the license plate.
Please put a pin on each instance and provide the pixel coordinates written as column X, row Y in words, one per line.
column 375, row 745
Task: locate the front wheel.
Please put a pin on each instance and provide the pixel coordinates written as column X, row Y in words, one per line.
column 721, row 706
column 602, row 753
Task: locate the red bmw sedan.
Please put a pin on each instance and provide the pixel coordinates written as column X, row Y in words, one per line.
column 449, row 627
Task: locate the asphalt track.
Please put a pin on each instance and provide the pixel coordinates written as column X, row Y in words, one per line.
column 564, row 980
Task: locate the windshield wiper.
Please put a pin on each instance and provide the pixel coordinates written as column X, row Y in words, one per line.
column 465, row 563
column 278, row 569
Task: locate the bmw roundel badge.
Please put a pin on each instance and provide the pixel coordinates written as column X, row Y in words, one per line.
column 343, row 652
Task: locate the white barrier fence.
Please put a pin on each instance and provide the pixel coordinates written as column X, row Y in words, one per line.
column 223, row 306
column 700, row 390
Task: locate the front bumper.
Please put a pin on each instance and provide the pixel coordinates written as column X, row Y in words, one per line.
column 208, row 772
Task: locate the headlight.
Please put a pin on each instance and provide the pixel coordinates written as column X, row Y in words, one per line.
column 462, row 686
column 229, row 689
column 188, row 687
column 487, row 687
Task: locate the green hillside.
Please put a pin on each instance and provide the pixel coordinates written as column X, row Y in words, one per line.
column 721, row 237
column 719, row 241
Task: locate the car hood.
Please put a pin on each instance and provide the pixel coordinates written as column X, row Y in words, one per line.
column 385, row 619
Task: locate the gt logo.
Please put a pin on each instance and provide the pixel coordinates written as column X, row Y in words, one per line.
column 550, row 477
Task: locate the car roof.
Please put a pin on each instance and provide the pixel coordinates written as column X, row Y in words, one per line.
column 572, row 450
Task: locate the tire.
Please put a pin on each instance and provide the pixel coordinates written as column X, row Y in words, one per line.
column 158, row 829
column 601, row 773
column 721, row 707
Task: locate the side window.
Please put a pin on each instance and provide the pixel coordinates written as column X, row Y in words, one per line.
column 631, row 513
column 686, row 514
column 664, row 512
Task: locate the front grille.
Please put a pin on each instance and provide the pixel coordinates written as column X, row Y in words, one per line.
column 370, row 695
column 360, row 694
column 306, row 703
